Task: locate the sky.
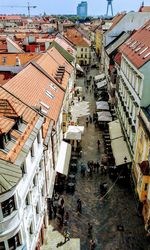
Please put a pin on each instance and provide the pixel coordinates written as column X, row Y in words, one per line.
column 95, row 7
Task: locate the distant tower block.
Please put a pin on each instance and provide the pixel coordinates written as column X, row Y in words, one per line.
column 109, row 4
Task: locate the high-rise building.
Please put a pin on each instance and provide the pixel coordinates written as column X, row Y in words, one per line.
column 82, row 9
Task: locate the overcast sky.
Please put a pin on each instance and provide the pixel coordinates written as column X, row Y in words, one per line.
column 95, row 7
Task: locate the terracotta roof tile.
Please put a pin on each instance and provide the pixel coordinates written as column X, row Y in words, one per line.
column 76, row 38
column 29, row 116
column 23, row 58
column 51, row 61
column 6, row 124
column 144, row 9
column 137, row 47
column 37, row 90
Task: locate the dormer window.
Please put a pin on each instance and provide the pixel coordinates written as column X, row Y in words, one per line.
column 4, row 60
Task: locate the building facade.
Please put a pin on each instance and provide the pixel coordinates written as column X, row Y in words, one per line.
column 82, row 9
column 23, row 213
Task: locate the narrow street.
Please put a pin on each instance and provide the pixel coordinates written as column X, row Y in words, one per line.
column 117, row 209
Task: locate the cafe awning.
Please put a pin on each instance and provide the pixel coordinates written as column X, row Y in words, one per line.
column 120, row 151
column 102, row 105
column 115, row 129
column 101, row 84
column 99, row 77
column 74, row 132
column 104, row 116
column 63, row 160
column 78, row 67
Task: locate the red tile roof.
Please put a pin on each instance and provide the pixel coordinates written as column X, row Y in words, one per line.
column 29, row 116
column 137, row 47
column 36, row 89
column 51, row 61
column 76, row 38
column 144, row 9
column 10, row 59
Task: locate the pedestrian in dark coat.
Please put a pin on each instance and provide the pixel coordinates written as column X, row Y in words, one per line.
column 92, row 244
column 90, row 227
column 97, row 166
column 98, row 143
column 87, row 121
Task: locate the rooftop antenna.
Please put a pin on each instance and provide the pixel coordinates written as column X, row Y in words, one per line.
column 109, row 4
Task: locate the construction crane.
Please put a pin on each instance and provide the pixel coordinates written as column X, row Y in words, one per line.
column 28, row 6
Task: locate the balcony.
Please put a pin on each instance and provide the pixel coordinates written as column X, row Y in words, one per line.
column 10, row 223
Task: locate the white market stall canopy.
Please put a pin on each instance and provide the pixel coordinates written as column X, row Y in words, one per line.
column 63, row 160
column 101, row 84
column 74, row 132
column 102, row 105
column 115, row 130
column 99, row 78
column 118, row 144
column 78, row 67
column 120, row 151
column 104, row 116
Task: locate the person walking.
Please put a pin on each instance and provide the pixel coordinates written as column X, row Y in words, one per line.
column 92, row 244
column 87, row 122
column 66, row 218
column 97, row 166
column 98, row 143
column 90, row 227
column 79, row 206
column 66, row 236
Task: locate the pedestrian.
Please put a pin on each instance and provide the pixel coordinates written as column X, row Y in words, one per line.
column 78, row 98
column 90, row 118
column 90, row 227
column 98, row 143
column 79, row 206
column 94, row 167
column 66, row 218
column 97, row 166
column 87, row 121
column 92, row 244
column 87, row 87
column 54, row 211
column 61, row 201
column 66, row 236
column 83, row 98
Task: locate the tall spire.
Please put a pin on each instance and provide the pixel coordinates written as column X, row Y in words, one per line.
column 109, row 4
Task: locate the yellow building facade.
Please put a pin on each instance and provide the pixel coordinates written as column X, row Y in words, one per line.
column 98, row 41
column 141, row 164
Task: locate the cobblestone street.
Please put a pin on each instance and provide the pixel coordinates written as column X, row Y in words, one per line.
column 118, row 208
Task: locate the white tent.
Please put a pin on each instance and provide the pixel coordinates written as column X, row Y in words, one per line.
column 102, row 105
column 74, row 132
column 101, row 84
column 104, row 116
column 99, row 78
column 78, row 67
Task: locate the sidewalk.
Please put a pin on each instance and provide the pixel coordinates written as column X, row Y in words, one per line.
column 53, row 237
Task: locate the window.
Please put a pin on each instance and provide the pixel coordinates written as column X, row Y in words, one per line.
column 4, row 60
column 85, row 49
column 146, row 186
column 35, row 180
column 14, row 242
column 31, row 229
column 49, row 94
column 32, row 151
column 39, row 137
column 37, row 209
column 81, row 49
column 81, row 55
column 27, row 200
column 2, row 246
column 8, row 206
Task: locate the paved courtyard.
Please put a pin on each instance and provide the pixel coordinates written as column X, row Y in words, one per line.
column 118, row 208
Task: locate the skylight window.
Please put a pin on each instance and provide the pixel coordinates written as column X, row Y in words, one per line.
column 129, row 41
column 143, row 50
column 44, row 111
column 53, row 86
column 137, row 49
column 133, row 44
column 44, row 105
column 146, row 55
column 49, row 94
